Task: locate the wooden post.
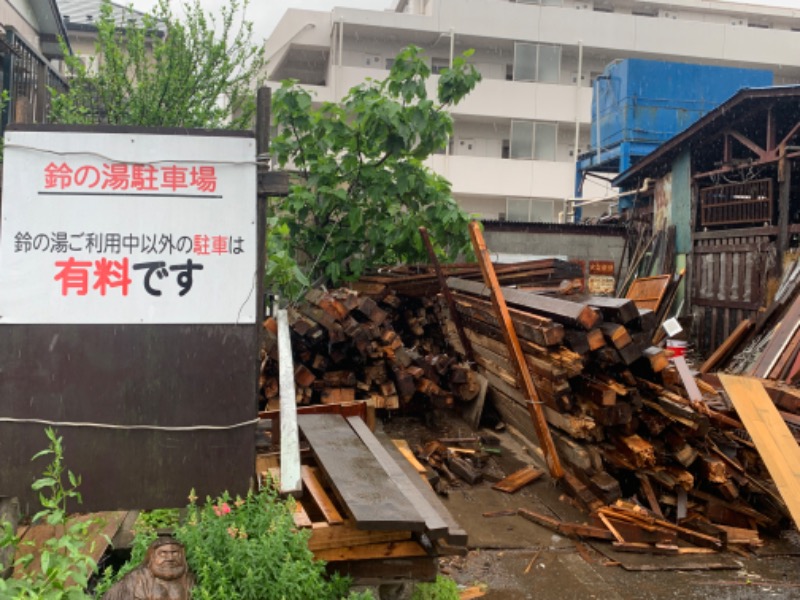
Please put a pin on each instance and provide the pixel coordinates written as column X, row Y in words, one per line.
column 263, row 100
column 9, row 513
column 515, row 351
column 784, row 191
column 451, row 305
column 290, row 442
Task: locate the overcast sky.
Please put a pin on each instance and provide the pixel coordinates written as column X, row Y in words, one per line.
column 265, row 14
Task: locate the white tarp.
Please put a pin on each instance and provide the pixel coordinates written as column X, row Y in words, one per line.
column 128, row 228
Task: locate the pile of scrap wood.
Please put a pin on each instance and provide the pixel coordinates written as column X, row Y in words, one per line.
column 768, row 346
column 381, row 341
column 624, row 420
column 352, row 346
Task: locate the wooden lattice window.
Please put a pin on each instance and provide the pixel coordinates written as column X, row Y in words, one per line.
column 745, row 203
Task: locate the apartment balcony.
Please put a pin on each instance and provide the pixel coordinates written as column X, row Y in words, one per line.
column 613, row 34
column 492, row 98
column 480, row 175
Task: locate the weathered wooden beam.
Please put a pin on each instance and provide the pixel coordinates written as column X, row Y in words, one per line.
column 561, row 311
column 510, row 335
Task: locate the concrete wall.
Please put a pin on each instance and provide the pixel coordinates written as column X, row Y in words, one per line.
column 576, row 242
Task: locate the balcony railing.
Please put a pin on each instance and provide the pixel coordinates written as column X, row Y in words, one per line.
column 27, row 79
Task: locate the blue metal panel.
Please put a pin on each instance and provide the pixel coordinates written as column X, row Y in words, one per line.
column 648, row 102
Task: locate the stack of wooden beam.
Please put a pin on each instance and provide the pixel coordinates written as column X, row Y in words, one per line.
column 623, row 419
column 421, row 280
column 351, row 346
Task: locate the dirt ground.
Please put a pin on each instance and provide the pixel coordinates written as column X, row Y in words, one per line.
column 511, row 558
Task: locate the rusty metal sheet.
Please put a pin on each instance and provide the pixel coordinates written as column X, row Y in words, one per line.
column 165, row 375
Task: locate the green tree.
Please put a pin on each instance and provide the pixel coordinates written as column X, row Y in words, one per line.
column 364, row 190
column 195, row 71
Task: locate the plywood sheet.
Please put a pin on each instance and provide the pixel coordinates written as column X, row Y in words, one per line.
column 774, row 442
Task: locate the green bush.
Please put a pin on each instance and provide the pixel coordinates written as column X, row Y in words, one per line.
column 247, row 548
column 443, row 588
column 65, row 564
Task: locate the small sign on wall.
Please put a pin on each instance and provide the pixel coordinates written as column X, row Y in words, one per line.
column 122, row 228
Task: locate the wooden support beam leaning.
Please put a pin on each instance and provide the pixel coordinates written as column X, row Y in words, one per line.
column 534, row 405
column 291, row 482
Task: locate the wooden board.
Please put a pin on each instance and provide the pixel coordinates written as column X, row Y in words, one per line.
column 435, row 526
column 290, row 446
column 404, row 449
column 326, row 538
column 647, row 292
column 387, row 550
column 321, row 498
column 774, row 442
column 367, row 492
column 519, row 479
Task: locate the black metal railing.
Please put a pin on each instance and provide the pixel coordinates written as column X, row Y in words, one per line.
column 27, row 79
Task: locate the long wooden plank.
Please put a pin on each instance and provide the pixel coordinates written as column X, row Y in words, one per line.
column 434, row 524
column 290, row 445
column 509, row 333
column 727, row 346
column 518, row 479
column 321, row 498
column 773, row 440
column 387, row 550
column 367, row 492
column 326, row 538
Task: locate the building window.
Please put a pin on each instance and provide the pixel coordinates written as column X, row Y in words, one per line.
column 644, row 12
column 439, row 64
column 389, row 64
column 531, row 140
column 542, row 2
column 537, row 62
column 529, row 210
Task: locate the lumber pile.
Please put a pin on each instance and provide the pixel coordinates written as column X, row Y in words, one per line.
column 624, row 419
column 418, row 281
column 371, row 346
column 767, row 347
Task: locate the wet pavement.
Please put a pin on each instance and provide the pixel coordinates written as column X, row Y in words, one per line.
column 511, row 558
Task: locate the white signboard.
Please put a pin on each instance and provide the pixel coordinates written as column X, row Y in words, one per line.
column 128, row 228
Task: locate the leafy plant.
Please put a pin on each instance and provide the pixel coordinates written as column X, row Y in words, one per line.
column 65, row 563
column 197, row 71
column 443, row 588
column 247, row 548
column 365, row 190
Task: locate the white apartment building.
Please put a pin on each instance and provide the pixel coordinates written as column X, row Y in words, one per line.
column 513, row 151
